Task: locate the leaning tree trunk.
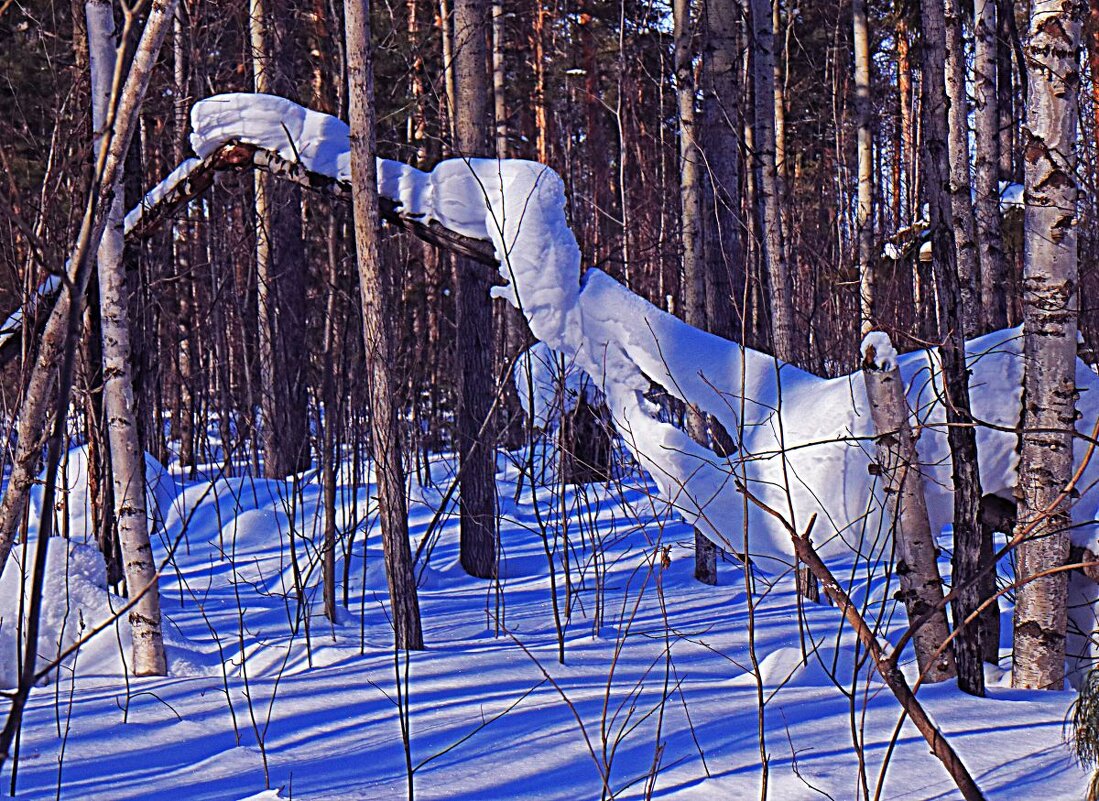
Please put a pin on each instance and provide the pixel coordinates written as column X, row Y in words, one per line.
column 58, row 341
column 771, row 246
column 902, row 484
column 961, row 184
column 127, row 456
column 955, row 377
column 475, row 434
column 379, row 304
column 986, row 187
column 53, row 367
column 280, row 278
column 1050, row 277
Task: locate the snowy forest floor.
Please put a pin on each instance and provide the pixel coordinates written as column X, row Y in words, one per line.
column 658, row 668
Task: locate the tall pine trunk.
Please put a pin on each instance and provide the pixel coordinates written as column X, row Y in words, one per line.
column 379, row 332
column 280, row 277
column 986, row 165
column 475, row 433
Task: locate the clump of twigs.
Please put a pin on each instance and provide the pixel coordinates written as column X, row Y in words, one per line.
column 1085, row 729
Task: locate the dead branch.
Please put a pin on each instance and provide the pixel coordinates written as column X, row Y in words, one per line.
column 238, row 157
column 886, row 666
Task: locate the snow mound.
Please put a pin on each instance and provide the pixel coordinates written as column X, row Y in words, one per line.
column 877, row 350
column 790, row 456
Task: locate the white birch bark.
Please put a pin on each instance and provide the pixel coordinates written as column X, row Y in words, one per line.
column 127, row 456
column 865, row 215
column 1050, row 316
column 914, row 544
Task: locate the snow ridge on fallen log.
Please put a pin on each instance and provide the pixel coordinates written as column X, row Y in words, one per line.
column 800, row 437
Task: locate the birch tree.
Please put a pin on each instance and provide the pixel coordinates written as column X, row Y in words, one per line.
column 772, row 247
column 1050, row 279
column 865, row 214
column 127, row 455
column 58, row 341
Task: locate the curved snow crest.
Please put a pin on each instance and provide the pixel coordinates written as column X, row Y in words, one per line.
column 806, row 444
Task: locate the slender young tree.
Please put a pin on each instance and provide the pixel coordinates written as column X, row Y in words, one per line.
column 955, row 376
column 127, row 455
column 475, row 433
column 986, row 165
column 865, row 215
column 961, row 183
column 379, row 304
column 772, row 246
column 280, row 274
column 1050, row 319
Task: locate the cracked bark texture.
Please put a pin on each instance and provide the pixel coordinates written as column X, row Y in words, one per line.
column 280, row 280
column 378, row 304
column 961, row 182
column 1050, row 316
column 914, row 545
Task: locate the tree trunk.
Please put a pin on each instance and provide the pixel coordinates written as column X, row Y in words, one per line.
column 771, row 245
column 58, row 341
column 723, row 221
column 127, row 456
column 1050, row 277
column 280, row 278
column 378, row 305
column 955, row 376
column 1005, row 87
column 475, row 433
column 865, row 215
column 961, row 184
column 690, row 224
column 181, row 253
column 986, row 186
column 908, row 137
column 914, row 543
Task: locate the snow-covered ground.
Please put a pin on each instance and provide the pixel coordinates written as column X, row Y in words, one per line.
column 658, row 668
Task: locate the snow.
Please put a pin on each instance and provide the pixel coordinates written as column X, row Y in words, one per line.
column 791, row 457
column 877, row 349
column 324, row 702
column 657, row 665
column 548, row 386
column 13, row 325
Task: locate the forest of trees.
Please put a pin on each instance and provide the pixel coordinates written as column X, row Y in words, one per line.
column 795, row 177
